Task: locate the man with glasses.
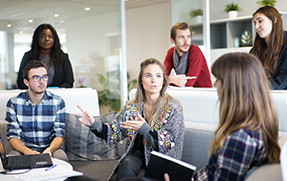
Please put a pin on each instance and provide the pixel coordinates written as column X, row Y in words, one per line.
column 36, row 118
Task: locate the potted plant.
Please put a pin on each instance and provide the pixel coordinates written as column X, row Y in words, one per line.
column 196, row 14
column 232, row 10
column 109, row 96
column 266, row 3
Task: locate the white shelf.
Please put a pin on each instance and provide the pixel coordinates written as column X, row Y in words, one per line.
column 216, row 53
column 195, row 25
column 223, row 32
column 239, row 49
column 242, row 18
column 197, row 36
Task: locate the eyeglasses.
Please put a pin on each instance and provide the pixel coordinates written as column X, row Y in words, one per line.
column 37, row 78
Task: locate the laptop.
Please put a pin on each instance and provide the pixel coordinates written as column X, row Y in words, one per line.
column 11, row 162
column 159, row 164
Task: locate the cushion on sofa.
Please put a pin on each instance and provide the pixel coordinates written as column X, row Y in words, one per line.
column 266, row 172
column 3, row 130
column 195, row 147
column 82, row 144
column 197, row 138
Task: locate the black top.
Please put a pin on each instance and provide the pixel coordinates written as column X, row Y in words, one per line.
column 279, row 82
column 63, row 76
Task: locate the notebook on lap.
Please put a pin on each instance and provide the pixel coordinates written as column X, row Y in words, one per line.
column 10, row 162
column 160, row 164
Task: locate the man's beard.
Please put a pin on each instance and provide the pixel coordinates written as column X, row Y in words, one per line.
column 181, row 49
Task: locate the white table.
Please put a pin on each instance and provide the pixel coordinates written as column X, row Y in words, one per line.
column 54, row 160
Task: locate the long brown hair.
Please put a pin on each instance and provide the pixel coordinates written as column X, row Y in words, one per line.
column 140, row 94
column 141, row 97
column 268, row 54
column 245, row 101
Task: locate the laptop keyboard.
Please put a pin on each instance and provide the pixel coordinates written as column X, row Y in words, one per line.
column 23, row 160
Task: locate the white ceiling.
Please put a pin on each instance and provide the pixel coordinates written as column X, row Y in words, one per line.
column 18, row 12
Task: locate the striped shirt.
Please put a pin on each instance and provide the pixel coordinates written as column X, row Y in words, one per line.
column 242, row 150
column 35, row 126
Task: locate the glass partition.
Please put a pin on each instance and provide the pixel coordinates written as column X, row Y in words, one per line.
column 191, row 12
column 89, row 31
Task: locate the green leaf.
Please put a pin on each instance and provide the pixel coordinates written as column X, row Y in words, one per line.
column 196, row 12
column 266, row 3
column 232, row 7
column 110, row 96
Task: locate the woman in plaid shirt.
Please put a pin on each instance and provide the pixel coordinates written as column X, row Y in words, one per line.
column 248, row 128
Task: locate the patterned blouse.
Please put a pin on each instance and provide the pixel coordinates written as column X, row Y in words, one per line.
column 169, row 127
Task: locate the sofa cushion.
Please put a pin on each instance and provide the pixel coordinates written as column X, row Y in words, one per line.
column 3, row 131
column 266, row 172
column 195, row 148
column 197, row 138
column 82, row 144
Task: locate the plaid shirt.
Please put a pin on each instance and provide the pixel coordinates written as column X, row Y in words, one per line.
column 35, row 126
column 242, row 150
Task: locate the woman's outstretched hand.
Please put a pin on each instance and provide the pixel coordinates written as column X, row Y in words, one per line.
column 85, row 117
column 134, row 125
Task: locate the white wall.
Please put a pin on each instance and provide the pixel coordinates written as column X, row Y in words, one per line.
column 147, row 30
column 88, row 46
column 3, row 57
column 88, row 38
column 181, row 9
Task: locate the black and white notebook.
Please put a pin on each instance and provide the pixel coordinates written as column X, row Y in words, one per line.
column 160, row 164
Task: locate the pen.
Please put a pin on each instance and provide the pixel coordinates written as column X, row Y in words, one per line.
column 53, row 166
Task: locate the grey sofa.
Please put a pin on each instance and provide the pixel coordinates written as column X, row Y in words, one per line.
column 197, row 139
column 200, row 111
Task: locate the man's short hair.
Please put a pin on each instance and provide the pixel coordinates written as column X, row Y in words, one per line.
column 30, row 65
column 181, row 26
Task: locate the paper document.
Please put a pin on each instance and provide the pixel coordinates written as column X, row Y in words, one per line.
column 40, row 174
